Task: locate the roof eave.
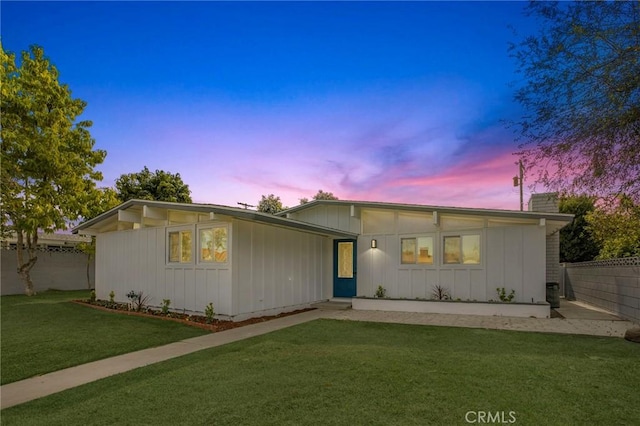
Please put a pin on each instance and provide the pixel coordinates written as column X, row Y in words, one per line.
column 441, row 209
column 223, row 210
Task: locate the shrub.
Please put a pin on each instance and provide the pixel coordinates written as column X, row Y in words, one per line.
column 209, row 313
column 92, row 296
column 138, row 300
column 440, row 293
column 112, row 296
column 165, row 306
column 502, row 294
column 380, row 292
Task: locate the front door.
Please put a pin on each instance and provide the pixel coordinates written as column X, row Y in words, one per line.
column 344, row 268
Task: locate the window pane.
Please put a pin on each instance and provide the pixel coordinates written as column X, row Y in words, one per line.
column 413, row 223
column 220, row 244
column 345, row 260
column 206, row 245
column 408, row 250
column 174, row 247
column 425, row 250
column 185, row 252
column 471, row 249
column 452, row 250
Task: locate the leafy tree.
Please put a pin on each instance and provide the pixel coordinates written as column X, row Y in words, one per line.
column 270, row 204
column 581, row 95
column 321, row 195
column 158, row 185
column 617, row 228
column 105, row 199
column 47, row 172
column 576, row 242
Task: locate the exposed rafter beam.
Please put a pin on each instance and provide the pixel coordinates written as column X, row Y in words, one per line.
column 128, row 216
column 154, row 213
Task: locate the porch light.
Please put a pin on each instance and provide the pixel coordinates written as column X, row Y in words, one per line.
column 374, row 243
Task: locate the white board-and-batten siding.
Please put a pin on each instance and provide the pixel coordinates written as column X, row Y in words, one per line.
column 512, row 253
column 136, row 260
column 277, row 269
column 511, row 257
column 336, row 217
column 269, row 270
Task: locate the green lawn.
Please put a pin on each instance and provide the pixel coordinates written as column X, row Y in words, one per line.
column 46, row 333
column 333, row 372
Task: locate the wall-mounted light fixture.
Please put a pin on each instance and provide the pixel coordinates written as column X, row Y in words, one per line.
column 374, row 243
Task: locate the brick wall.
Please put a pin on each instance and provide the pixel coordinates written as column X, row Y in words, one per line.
column 613, row 285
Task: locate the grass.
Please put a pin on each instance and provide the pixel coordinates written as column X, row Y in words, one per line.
column 354, row 373
column 46, row 332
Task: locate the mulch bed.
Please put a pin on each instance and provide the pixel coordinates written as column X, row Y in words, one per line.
column 192, row 320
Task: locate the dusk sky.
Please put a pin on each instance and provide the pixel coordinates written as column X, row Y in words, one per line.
column 398, row 102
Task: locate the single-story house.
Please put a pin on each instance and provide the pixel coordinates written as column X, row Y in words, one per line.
column 251, row 264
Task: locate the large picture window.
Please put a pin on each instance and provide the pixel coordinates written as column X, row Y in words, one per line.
column 213, row 244
column 180, row 246
column 462, row 249
column 416, row 250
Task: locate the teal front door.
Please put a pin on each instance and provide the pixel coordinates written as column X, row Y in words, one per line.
column 344, row 268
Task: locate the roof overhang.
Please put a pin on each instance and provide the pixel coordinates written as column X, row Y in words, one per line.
column 552, row 221
column 141, row 213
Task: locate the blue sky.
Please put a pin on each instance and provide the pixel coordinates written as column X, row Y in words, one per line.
column 380, row 101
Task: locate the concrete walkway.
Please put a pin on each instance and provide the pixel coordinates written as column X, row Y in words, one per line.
column 47, row 384
column 37, row 387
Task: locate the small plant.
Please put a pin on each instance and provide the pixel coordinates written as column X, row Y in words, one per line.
column 165, row 306
column 112, row 296
column 380, row 292
column 502, row 294
column 209, row 313
column 440, row 293
column 92, row 296
column 137, row 300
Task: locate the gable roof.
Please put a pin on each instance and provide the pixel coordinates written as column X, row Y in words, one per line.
column 560, row 217
column 139, row 207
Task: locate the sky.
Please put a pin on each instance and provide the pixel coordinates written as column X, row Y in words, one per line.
column 373, row 101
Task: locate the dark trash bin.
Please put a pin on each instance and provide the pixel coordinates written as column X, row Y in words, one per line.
column 553, row 294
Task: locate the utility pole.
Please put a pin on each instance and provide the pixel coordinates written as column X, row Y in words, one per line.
column 518, row 181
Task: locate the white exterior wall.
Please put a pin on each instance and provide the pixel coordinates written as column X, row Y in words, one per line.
column 277, row 269
column 513, row 253
column 511, row 257
column 136, row 260
column 270, row 270
column 336, row 217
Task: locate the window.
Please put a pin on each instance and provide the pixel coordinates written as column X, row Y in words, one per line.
column 180, row 246
column 416, row 250
column 345, row 259
column 462, row 249
column 213, row 244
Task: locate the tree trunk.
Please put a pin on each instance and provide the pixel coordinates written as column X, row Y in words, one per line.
column 24, row 268
column 88, row 271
